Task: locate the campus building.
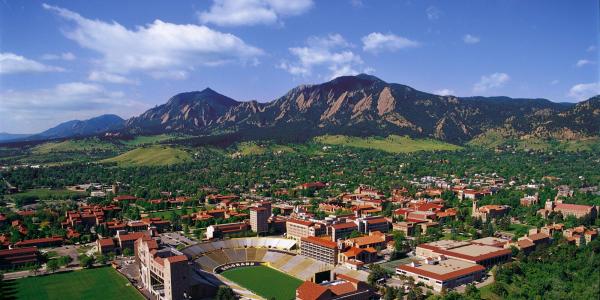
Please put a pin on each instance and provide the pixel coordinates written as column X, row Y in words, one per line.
column 259, row 217
column 489, row 212
column 442, row 272
column 166, row 273
column 11, row 258
column 220, row 230
column 568, row 209
column 341, row 231
column 297, row 229
column 320, row 249
column 341, row 287
column 484, row 255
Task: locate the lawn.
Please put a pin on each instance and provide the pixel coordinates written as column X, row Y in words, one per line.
column 264, row 281
column 152, row 139
column 519, row 229
column 85, row 145
column 47, row 194
column 392, row 143
column 392, row 264
column 99, row 283
column 166, row 214
column 151, row 156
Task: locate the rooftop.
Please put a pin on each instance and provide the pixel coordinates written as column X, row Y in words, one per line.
column 443, row 270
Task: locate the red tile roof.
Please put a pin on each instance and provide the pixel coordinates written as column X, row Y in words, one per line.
column 344, row 225
column 176, row 259
column 310, row 291
column 573, row 207
column 300, row 222
column 320, row 242
column 442, row 277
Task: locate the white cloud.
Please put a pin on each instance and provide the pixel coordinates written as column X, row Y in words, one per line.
column 42, row 108
column 252, row 12
column 470, row 39
column 433, row 13
column 156, row 47
column 555, row 82
column 62, row 56
column 584, row 91
column 376, row 41
column 100, row 76
column 11, row 63
column 174, row 74
column 357, row 3
column 583, row 62
column 491, row 81
column 331, row 52
column 444, row 92
column 591, row 48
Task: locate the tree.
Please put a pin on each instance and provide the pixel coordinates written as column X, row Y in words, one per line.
column 225, row 293
column 86, row 261
column 472, row 292
column 376, row 272
column 64, row 260
column 35, row 269
column 101, row 259
column 354, row 234
column 276, row 211
column 127, row 252
column 52, row 265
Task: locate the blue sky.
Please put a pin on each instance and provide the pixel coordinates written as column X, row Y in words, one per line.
column 63, row 60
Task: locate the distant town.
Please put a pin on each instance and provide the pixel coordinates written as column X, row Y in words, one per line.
column 429, row 236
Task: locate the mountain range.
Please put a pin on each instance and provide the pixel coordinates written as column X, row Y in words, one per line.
column 367, row 105
column 360, row 105
column 73, row 128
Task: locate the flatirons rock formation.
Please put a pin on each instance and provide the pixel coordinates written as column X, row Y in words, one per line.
column 367, row 105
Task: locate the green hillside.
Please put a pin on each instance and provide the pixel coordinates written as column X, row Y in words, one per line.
column 258, row 148
column 392, row 143
column 85, row 145
column 494, row 140
column 152, row 139
column 151, row 156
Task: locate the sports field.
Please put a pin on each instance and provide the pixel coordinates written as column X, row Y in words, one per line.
column 265, row 282
column 98, row 283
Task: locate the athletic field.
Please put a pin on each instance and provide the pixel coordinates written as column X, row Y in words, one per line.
column 100, row 283
column 265, row 282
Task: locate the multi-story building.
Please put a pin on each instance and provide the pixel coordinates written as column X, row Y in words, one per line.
column 341, row 287
column 441, row 272
column 11, row 258
column 370, row 224
column 408, row 228
column 297, row 229
column 320, row 249
column 341, row 231
column 220, row 230
column 166, row 273
column 489, row 212
column 484, row 255
column 568, row 209
column 259, row 217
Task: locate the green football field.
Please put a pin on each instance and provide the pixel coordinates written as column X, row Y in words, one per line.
column 100, row 283
column 264, row 281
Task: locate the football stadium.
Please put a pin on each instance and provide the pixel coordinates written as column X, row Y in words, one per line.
column 262, row 267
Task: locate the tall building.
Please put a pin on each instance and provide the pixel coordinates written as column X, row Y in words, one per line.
column 297, row 229
column 259, row 217
column 320, row 249
column 166, row 273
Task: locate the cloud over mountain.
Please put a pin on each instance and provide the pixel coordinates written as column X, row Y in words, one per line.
column 159, row 46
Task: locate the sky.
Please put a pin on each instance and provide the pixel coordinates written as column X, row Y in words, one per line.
column 65, row 60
